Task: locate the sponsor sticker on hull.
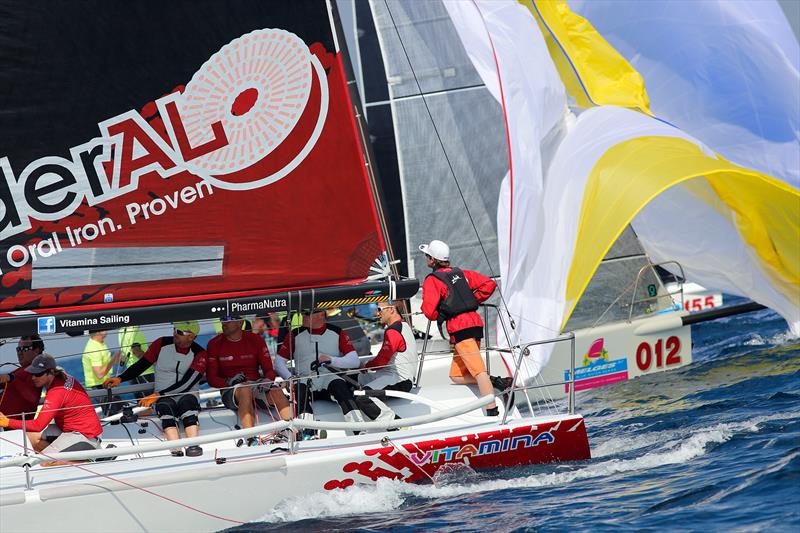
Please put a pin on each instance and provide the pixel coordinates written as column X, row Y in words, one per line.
column 597, row 370
column 564, row 440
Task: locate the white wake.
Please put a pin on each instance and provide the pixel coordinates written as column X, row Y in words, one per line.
column 388, row 495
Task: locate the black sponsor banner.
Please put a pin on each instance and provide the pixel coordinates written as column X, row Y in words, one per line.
column 327, row 297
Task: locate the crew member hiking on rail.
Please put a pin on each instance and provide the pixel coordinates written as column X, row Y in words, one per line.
column 179, row 365
column 453, row 296
column 76, row 426
column 395, row 366
column 315, row 348
column 234, row 359
column 20, row 395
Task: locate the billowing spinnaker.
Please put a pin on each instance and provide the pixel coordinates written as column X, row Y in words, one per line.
column 734, row 228
column 534, row 104
column 603, row 175
column 172, row 153
column 725, row 72
column 625, row 159
column 593, row 72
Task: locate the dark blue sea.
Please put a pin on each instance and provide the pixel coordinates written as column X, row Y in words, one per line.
column 714, row 446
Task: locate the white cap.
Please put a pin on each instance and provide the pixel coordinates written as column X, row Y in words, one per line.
column 436, row 249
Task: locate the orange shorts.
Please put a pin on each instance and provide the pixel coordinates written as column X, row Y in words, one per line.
column 467, row 360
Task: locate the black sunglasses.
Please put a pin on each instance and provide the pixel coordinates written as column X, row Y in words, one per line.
column 21, row 349
column 40, row 374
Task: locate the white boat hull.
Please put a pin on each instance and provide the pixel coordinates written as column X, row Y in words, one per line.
column 243, row 484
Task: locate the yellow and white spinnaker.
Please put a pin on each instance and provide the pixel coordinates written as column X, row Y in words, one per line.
column 574, row 185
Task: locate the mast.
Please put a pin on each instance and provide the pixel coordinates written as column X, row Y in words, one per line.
column 363, row 134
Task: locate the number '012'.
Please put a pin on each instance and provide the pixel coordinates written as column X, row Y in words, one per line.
column 647, row 355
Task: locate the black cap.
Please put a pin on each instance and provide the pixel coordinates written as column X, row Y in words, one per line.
column 41, row 363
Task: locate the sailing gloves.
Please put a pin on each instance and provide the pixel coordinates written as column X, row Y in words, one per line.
column 147, row 401
column 110, row 383
column 235, row 380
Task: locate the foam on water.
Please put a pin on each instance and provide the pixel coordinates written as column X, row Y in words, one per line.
column 627, row 443
column 388, row 495
column 777, row 339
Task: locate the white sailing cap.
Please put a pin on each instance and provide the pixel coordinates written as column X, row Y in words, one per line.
column 436, row 249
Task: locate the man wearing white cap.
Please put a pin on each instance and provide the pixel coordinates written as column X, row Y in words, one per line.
column 453, row 296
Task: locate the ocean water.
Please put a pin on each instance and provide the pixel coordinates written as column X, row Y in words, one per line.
column 714, row 446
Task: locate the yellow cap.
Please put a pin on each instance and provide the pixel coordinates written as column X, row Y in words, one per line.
column 188, row 326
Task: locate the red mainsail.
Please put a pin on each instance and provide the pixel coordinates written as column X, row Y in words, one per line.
column 206, row 158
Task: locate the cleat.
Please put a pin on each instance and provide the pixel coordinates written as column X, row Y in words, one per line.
column 280, row 437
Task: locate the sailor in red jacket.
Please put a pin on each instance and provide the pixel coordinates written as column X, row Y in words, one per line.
column 453, row 296
column 20, row 395
column 234, row 358
column 76, row 425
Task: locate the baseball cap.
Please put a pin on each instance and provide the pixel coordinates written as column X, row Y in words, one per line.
column 187, row 326
column 436, row 249
column 41, row 363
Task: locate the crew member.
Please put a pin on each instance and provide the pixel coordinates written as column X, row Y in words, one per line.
column 132, row 346
column 20, row 395
column 76, row 426
column 179, row 365
column 234, row 358
column 346, row 321
column 97, row 360
column 313, row 347
column 395, row 365
column 453, row 296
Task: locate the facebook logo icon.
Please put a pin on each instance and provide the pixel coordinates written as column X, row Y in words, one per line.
column 47, row 324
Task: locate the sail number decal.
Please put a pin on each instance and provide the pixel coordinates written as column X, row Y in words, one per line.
column 698, row 304
column 662, row 354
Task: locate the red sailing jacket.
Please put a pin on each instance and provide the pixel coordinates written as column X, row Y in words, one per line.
column 228, row 358
column 434, row 291
column 70, row 406
column 393, row 342
column 20, row 395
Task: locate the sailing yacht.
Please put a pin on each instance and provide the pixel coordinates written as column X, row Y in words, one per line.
column 218, row 162
column 233, row 178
